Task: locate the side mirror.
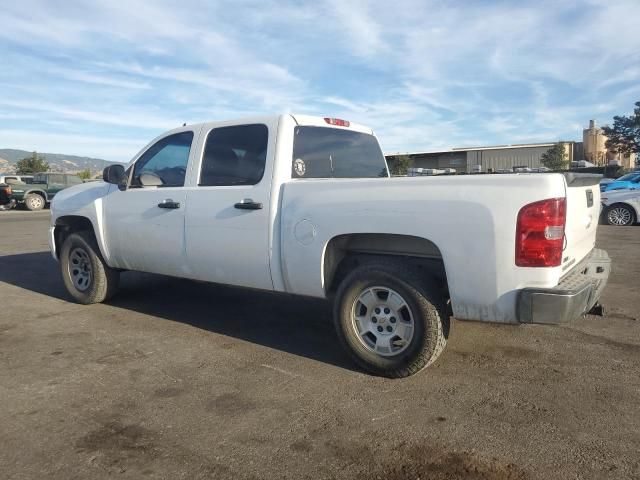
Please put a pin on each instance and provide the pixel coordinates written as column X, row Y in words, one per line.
column 114, row 174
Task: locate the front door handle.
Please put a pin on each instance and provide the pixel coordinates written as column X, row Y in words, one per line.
column 248, row 204
column 170, row 204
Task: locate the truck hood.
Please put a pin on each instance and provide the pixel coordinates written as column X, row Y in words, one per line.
column 78, row 196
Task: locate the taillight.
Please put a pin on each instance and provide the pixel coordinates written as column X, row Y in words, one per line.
column 7, row 190
column 540, row 233
column 337, row 121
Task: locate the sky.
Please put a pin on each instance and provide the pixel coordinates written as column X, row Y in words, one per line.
column 101, row 78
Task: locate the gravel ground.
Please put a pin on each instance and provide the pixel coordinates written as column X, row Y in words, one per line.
column 177, row 379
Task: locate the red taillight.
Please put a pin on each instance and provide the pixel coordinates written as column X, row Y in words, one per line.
column 337, row 121
column 7, row 190
column 540, row 233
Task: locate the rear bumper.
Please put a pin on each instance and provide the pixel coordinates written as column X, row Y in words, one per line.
column 575, row 295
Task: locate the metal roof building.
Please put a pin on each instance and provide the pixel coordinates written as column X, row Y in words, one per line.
column 489, row 159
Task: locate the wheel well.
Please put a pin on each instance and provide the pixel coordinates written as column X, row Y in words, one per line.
column 622, row 204
column 346, row 252
column 70, row 224
column 36, row 192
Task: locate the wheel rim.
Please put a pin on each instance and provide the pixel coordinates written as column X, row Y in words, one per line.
column 80, row 269
column 619, row 216
column 36, row 201
column 382, row 321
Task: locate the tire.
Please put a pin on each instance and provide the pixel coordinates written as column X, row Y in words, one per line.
column 620, row 214
column 34, row 202
column 86, row 276
column 391, row 352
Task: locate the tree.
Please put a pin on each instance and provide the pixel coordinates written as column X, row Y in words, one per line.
column 85, row 174
column 624, row 136
column 555, row 158
column 399, row 164
column 31, row 165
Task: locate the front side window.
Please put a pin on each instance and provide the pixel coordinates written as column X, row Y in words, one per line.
column 234, row 155
column 165, row 163
column 321, row 152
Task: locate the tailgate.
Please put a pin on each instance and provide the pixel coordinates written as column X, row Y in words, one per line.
column 583, row 212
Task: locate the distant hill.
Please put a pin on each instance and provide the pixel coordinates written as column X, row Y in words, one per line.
column 58, row 162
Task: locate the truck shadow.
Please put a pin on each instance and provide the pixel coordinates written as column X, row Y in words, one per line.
column 297, row 325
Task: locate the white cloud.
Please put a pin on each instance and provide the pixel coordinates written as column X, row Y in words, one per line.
column 123, row 118
column 359, row 30
column 423, row 74
column 109, row 148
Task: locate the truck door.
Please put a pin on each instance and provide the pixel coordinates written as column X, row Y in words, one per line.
column 144, row 224
column 228, row 216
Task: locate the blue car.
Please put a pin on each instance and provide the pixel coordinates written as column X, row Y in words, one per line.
column 629, row 181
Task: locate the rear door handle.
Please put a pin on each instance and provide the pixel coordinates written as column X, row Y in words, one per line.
column 248, row 204
column 170, row 204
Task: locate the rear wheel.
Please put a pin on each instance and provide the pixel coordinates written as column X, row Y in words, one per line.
column 85, row 274
column 391, row 320
column 620, row 215
column 33, row 201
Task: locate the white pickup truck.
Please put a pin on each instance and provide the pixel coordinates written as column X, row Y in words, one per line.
column 305, row 205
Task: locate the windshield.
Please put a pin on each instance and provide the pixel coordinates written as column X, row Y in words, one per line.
column 629, row 177
column 320, row 152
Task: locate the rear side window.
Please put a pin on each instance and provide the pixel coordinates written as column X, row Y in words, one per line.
column 164, row 164
column 234, row 155
column 320, row 152
column 56, row 180
column 73, row 180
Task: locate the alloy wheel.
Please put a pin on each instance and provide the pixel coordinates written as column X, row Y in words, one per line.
column 382, row 321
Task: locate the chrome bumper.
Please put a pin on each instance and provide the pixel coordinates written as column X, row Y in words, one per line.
column 52, row 242
column 574, row 296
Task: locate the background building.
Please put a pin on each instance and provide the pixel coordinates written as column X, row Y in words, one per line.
column 505, row 157
column 488, row 159
column 594, row 142
column 595, row 148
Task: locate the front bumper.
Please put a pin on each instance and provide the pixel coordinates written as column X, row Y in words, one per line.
column 574, row 296
column 52, row 242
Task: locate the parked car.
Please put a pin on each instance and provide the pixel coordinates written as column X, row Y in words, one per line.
column 621, row 207
column 5, row 194
column 13, row 179
column 305, row 205
column 629, row 181
column 604, row 182
column 44, row 188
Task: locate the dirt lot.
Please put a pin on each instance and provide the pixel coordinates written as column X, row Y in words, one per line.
column 177, row 379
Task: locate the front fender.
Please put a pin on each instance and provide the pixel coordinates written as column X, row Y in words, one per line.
column 84, row 201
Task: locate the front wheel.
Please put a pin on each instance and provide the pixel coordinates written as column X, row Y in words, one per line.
column 34, row 202
column 391, row 319
column 620, row 215
column 85, row 274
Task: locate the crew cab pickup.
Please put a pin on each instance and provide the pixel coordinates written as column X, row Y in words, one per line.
column 305, row 205
column 44, row 187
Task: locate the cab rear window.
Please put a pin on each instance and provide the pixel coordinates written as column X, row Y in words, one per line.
column 320, row 152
